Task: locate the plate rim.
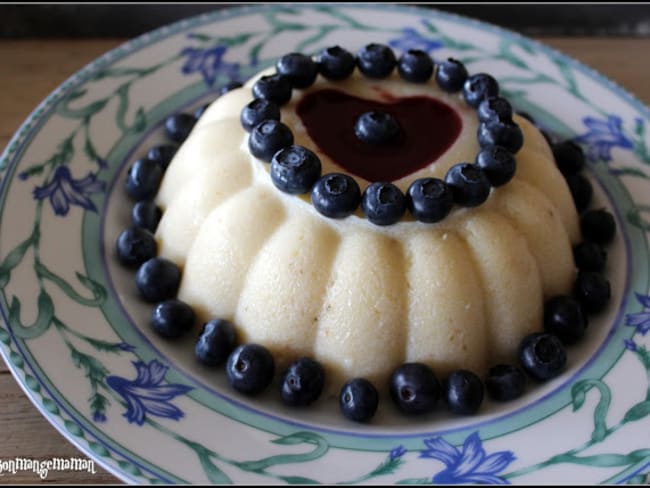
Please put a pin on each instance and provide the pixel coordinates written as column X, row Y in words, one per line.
column 129, row 47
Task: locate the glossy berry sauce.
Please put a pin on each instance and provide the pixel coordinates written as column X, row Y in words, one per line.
column 428, row 128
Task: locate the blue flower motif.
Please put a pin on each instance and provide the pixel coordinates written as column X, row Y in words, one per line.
column 602, row 136
column 209, row 62
column 64, row 191
column 412, row 39
column 146, row 394
column 99, row 417
column 397, row 452
column 640, row 320
column 643, row 300
column 469, row 464
column 630, row 345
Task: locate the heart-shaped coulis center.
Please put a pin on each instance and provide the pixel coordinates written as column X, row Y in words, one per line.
column 428, row 128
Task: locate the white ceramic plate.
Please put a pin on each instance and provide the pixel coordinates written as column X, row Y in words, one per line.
column 75, row 336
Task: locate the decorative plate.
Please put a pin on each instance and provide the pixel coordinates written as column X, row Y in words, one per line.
column 76, row 337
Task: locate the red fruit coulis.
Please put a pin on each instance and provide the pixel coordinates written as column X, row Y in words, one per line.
column 428, row 128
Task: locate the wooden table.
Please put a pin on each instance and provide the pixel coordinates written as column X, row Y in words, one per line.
column 30, row 70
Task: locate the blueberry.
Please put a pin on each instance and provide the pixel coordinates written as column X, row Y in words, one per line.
column 464, row 392
column 258, row 111
column 383, row 203
column 162, row 154
column 592, row 290
column 198, row 113
column 172, row 318
column 275, row 88
column 134, row 246
column 376, row 60
column 146, row 214
column 500, row 133
column 581, row 190
column 216, row 341
column 336, row 195
column 415, row 66
column 498, row 164
column 429, row 199
column 300, row 69
column 598, row 226
column 250, row 368
column 494, row 108
column 376, row 128
column 505, row 382
column 569, row 157
column 230, row 86
column 157, row 279
column 542, row 355
column 590, row 256
column 358, row 400
column 469, row 184
column 143, row 179
column 478, row 87
column 563, row 317
column 302, row 382
column 179, row 126
column 414, row 388
column 336, row 63
column 267, row 138
column 295, row 169
column 451, row 75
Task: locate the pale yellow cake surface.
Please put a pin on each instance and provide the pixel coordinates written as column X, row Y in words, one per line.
column 363, row 298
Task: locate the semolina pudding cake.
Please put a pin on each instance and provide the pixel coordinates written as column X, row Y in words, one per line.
column 455, row 290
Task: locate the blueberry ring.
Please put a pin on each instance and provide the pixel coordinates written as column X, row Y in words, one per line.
column 428, row 200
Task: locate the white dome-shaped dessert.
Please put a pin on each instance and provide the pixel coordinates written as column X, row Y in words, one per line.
column 359, row 297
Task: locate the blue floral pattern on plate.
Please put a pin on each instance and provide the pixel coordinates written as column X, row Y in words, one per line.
column 640, row 320
column 413, row 39
column 146, row 394
column 602, row 136
column 64, row 190
column 209, row 63
column 469, row 464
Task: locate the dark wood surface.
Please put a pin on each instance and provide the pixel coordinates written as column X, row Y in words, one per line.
column 130, row 20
